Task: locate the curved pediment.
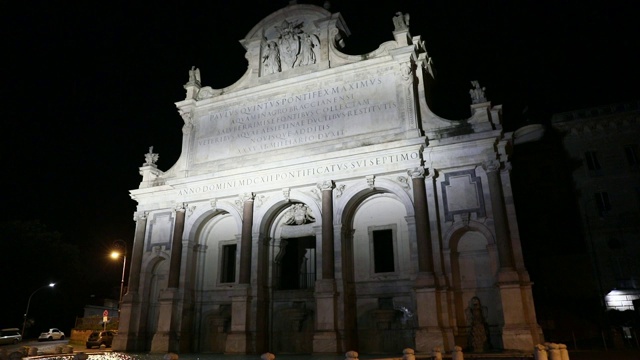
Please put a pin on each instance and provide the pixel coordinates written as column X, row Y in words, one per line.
column 291, row 41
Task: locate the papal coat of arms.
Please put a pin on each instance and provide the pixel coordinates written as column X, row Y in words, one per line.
column 292, row 48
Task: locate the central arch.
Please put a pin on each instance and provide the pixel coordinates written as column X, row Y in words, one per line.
column 378, row 255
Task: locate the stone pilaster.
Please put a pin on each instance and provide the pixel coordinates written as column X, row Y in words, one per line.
column 238, row 339
column 170, row 304
column 519, row 331
column 128, row 338
column 166, row 337
column 428, row 335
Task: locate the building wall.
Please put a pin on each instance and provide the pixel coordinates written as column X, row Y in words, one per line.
column 603, row 142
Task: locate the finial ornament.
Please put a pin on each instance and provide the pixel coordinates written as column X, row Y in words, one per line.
column 150, row 158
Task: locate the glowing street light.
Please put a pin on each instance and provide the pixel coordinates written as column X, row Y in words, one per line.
column 116, row 254
column 24, row 324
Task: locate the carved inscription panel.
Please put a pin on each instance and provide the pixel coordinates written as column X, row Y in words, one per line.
column 315, row 113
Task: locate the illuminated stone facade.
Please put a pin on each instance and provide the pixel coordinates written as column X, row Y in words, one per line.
column 319, row 206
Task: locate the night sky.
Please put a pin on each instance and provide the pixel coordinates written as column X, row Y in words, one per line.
column 88, row 87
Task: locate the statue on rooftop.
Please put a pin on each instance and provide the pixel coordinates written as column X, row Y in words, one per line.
column 401, row 21
column 150, row 158
column 477, row 93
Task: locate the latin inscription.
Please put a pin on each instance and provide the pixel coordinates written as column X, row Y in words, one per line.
column 311, row 172
column 291, row 119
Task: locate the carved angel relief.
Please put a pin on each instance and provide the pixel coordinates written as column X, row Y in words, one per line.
column 293, row 47
column 299, row 214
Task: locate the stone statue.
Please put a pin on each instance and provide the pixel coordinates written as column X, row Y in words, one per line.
column 194, row 75
column 477, row 93
column 150, row 158
column 479, row 329
column 271, row 58
column 307, row 50
column 401, row 21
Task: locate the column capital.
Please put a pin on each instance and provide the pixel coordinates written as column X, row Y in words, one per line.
column 286, row 193
column 432, row 174
column 326, row 185
column 416, row 173
column 180, row 207
column 140, row 215
column 491, row 165
column 248, row 196
column 371, row 181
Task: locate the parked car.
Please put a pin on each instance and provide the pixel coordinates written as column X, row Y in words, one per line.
column 10, row 336
column 100, row 338
column 51, row 334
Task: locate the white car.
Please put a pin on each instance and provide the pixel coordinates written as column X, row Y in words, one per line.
column 51, row 334
column 10, row 336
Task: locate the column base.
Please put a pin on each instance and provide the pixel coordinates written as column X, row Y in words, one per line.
column 236, row 343
column 161, row 342
column 431, row 337
column 325, row 342
column 517, row 338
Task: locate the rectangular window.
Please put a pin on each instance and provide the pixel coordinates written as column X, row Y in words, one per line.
column 592, row 160
column 602, row 202
column 631, row 152
column 228, row 263
column 383, row 251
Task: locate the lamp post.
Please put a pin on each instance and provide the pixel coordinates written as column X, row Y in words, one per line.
column 116, row 254
column 24, row 324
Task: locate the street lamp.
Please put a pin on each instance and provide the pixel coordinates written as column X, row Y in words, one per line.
column 24, row 324
column 116, row 254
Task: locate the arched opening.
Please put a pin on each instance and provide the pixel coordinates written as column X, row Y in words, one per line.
column 292, row 255
column 474, row 271
column 378, row 271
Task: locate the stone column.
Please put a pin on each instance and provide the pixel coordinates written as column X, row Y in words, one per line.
column 127, row 337
column 423, row 236
column 505, row 253
column 327, row 229
column 245, row 240
column 325, row 336
column 428, row 333
column 176, row 247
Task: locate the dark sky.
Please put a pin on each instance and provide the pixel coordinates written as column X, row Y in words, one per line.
column 88, row 86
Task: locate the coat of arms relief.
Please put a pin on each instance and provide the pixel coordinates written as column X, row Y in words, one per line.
column 292, row 47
